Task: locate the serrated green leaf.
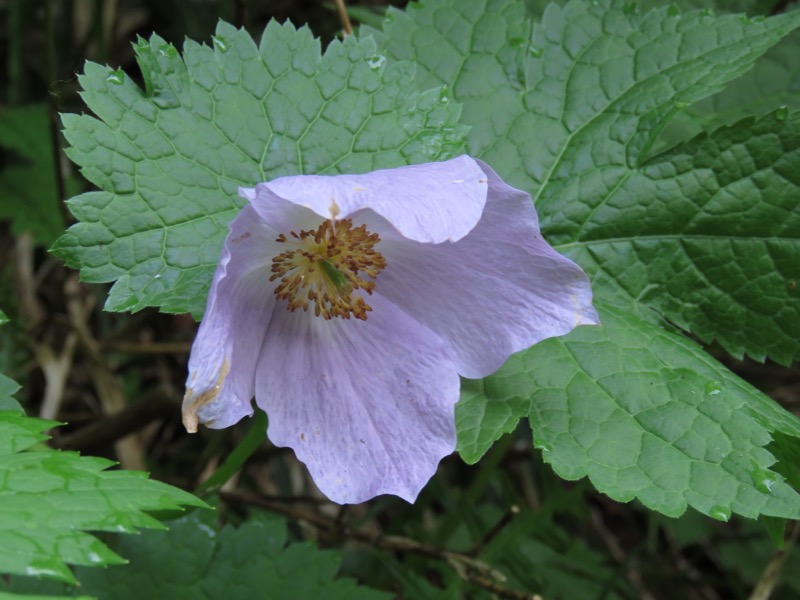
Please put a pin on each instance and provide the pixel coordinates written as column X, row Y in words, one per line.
column 50, row 498
column 647, row 414
column 169, row 161
column 195, row 561
column 571, row 114
column 709, row 235
column 28, row 188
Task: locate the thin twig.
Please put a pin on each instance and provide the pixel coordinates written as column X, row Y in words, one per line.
column 470, row 569
column 478, row 547
column 772, row 574
column 347, row 26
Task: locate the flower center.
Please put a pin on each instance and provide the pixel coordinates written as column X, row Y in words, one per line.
column 324, row 267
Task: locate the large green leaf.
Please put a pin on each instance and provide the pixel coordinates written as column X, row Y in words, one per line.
column 647, row 414
column 50, row 499
column 571, row 114
column 195, row 561
column 169, row 160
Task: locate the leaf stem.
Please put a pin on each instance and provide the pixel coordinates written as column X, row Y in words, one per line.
column 251, row 441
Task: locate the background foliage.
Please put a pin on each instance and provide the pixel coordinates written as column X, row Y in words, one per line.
column 663, row 152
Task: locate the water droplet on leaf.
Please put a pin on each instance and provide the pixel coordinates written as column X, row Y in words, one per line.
column 673, row 11
column 167, row 50
column 220, row 43
column 713, row 388
column 720, row 513
column 782, row 113
column 116, row 77
column 535, row 52
column 763, row 480
column 376, row 61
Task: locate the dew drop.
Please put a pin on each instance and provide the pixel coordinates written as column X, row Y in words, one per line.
column 673, row 11
column 444, row 96
column 543, row 447
column 763, row 480
column 376, row 61
column 720, row 513
column 34, row 571
column 535, row 51
column 220, row 43
column 116, row 77
column 782, row 113
column 713, row 388
column 167, row 50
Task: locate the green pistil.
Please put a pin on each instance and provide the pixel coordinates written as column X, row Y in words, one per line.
column 335, row 275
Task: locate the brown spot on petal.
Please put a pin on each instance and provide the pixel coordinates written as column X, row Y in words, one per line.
column 240, row 238
column 192, row 403
column 302, row 437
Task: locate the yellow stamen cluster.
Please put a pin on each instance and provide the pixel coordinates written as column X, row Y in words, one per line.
column 324, row 266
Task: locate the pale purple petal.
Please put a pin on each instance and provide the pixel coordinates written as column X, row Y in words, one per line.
column 222, row 364
column 368, row 406
column 497, row 291
column 433, row 202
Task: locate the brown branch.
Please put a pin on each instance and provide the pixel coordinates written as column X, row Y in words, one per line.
column 478, row 547
column 471, row 570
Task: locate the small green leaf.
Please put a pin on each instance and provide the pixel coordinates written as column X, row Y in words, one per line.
column 169, row 160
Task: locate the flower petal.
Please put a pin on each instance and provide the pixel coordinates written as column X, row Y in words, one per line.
column 433, row 202
column 225, row 352
column 499, row 290
column 368, row 406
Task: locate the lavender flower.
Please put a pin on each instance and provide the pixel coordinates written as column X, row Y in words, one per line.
column 349, row 306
